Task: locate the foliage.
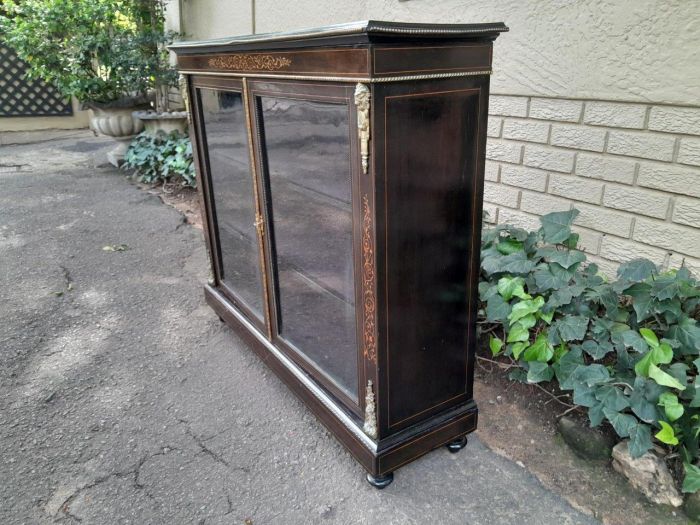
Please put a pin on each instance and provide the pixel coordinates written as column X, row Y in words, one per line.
column 162, row 157
column 628, row 350
column 99, row 51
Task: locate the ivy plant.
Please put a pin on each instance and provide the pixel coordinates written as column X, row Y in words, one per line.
column 161, row 158
column 627, row 350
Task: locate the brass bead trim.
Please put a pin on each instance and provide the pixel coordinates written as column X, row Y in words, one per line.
column 373, row 80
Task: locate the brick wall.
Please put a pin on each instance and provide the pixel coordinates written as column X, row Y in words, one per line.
column 632, row 170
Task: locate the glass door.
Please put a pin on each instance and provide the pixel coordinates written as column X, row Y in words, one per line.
column 305, row 146
column 232, row 197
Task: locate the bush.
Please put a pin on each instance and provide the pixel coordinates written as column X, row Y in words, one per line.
column 628, row 350
column 162, row 157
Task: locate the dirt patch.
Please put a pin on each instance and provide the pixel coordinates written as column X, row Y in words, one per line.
column 184, row 199
column 519, row 421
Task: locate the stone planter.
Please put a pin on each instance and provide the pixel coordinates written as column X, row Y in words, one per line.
column 165, row 122
column 119, row 124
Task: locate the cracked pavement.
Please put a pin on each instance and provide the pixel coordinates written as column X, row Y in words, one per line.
column 123, row 399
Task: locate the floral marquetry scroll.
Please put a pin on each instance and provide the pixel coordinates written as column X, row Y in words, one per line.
column 251, row 62
column 369, row 301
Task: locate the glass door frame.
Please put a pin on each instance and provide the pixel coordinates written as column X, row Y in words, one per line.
column 207, row 198
column 341, row 94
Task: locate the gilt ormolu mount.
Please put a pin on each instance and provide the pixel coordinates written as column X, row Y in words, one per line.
column 341, row 173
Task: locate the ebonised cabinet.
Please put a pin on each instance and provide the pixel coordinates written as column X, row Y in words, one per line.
column 341, row 175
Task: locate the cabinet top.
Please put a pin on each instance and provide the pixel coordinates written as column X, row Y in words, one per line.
column 365, row 32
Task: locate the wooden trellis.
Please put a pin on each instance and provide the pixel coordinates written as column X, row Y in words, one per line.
column 20, row 97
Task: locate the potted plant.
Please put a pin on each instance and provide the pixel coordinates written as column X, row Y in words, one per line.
column 98, row 51
column 151, row 14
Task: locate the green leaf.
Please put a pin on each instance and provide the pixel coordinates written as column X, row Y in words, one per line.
column 666, row 434
column 509, row 287
column 641, row 300
column 595, row 414
column 687, row 333
column 541, row 350
column 572, row 327
column 666, row 287
column 672, row 407
column 497, row 309
column 662, row 354
column 538, row 372
column 546, row 280
column 596, row 350
column 547, row 317
column 662, row 378
column 649, row 336
column 556, row 227
column 622, row 423
column 560, row 351
column 630, row 338
column 508, row 246
column 640, row 440
column 691, row 481
column 527, row 307
column 518, row 348
column 565, row 258
column 495, row 344
column 636, row 270
column 612, row 397
column 591, row 374
column 518, row 333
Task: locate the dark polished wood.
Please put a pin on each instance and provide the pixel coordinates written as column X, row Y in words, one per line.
column 355, row 281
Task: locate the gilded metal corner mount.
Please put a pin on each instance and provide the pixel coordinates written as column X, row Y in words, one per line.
column 362, row 100
column 370, row 426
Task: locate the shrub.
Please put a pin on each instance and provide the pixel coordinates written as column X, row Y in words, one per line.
column 161, row 157
column 628, row 350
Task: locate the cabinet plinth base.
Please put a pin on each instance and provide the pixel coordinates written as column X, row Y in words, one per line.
column 380, row 482
column 457, row 445
column 379, row 458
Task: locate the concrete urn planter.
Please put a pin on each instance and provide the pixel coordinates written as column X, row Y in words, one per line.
column 167, row 122
column 121, row 125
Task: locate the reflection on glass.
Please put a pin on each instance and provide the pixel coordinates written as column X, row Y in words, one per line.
column 232, row 189
column 308, row 161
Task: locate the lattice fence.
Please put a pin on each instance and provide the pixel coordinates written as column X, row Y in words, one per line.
column 23, row 98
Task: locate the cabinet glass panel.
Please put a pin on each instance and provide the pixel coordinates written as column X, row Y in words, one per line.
column 224, row 129
column 308, row 166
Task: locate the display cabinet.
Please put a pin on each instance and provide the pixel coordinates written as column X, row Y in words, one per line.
column 341, row 174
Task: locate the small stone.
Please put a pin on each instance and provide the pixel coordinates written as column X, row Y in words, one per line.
column 587, row 442
column 648, row 474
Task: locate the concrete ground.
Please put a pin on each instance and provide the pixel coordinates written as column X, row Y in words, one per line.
column 123, row 399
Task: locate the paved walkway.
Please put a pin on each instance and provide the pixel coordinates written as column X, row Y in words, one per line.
column 123, row 399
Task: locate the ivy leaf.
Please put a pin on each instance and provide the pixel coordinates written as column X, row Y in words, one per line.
column 643, row 400
column 541, row 350
column 662, row 378
column 509, row 287
column 666, row 434
column 516, row 263
column 518, row 333
column 560, row 351
column 565, row 258
column 584, row 395
column 591, row 374
column 661, row 355
column 636, row 270
column 640, row 440
column 622, row 423
column 612, row 397
column 672, row 407
column 546, row 280
column 527, row 307
column 518, row 348
column 567, row 367
column 666, row 287
column 691, row 481
column 687, row 333
column 497, row 309
column 508, row 246
column 595, row 414
column 495, row 344
column 538, row 372
column 572, row 327
column 556, row 227
column 649, row 336
column 641, row 300
column 630, row 338
column 596, row 350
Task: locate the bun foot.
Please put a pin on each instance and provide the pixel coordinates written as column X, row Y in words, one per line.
column 380, row 482
column 457, row 445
